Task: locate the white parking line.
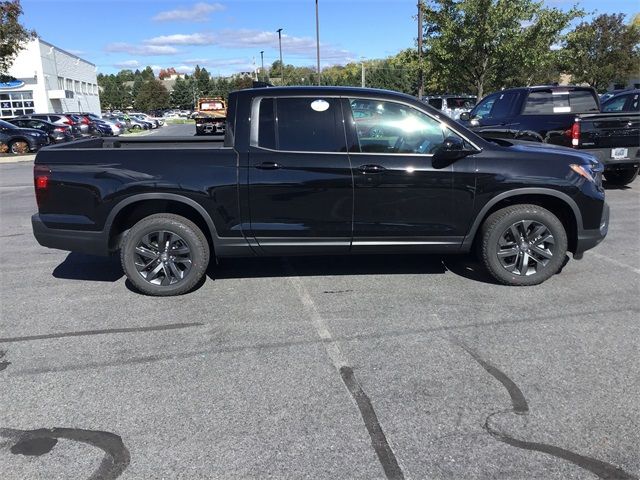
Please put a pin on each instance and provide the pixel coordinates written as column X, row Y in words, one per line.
column 318, row 322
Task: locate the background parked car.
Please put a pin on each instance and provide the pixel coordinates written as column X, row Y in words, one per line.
column 22, row 140
column 626, row 101
column 56, row 133
column 148, row 118
column 60, row 119
column 452, row 105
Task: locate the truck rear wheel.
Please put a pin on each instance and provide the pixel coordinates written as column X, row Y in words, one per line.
column 164, row 255
column 523, row 245
column 621, row 177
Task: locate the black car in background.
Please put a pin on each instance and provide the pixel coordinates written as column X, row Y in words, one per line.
column 625, row 101
column 567, row 116
column 21, row 140
column 56, row 133
column 77, row 129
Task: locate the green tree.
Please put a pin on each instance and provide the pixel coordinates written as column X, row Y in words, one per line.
column 152, row 95
column 126, row 75
column 602, row 51
column 13, row 36
column 182, row 94
column 147, row 74
column 137, row 85
column 488, row 44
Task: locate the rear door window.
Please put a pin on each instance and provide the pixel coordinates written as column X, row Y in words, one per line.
column 301, row 124
column 505, row 105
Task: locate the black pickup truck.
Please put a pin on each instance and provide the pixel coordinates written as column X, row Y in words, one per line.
column 313, row 170
column 562, row 115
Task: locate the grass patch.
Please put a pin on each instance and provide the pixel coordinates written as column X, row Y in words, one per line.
column 178, row 121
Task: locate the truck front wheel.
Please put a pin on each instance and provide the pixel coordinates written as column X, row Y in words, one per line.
column 164, row 255
column 523, row 245
column 621, row 177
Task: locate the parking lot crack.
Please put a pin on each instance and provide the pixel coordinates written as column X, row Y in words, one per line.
column 520, row 406
column 379, row 441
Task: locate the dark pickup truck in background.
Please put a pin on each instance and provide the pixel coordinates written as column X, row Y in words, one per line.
column 312, row 170
column 562, row 115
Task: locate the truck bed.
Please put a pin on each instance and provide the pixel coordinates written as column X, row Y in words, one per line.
column 142, row 143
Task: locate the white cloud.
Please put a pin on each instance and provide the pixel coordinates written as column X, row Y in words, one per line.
column 221, row 62
column 128, row 64
column 144, row 50
column 245, row 38
column 182, row 39
column 198, row 13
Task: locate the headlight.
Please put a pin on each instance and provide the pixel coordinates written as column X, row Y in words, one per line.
column 583, row 171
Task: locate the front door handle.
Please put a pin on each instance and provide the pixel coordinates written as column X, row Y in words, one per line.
column 268, row 166
column 371, row 168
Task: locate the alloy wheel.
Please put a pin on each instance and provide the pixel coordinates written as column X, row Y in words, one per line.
column 19, row 147
column 526, row 248
column 163, row 258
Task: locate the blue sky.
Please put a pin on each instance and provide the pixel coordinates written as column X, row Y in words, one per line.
column 225, row 36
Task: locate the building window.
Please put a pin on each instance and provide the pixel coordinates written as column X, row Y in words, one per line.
column 69, row 84
column 60, row 83
column 84, row 87
column 16, row 103
column 77, row 83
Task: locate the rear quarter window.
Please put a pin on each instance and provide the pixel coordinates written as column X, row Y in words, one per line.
column 550, row 102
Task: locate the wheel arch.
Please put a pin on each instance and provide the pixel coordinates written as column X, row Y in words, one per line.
column 132, row 209
column 558, row 203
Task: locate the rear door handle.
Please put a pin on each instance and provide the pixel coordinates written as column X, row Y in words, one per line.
column 268, row 166
column 371, row 168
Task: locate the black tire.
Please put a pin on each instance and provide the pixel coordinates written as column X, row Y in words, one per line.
column 621, row 177
column 136, row 127
column 157, row 278
column 523, row 245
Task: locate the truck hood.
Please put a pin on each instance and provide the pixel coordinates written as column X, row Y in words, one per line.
column 573, row 155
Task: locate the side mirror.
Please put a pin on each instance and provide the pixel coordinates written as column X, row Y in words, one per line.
column 452, row 149
column 465, row 116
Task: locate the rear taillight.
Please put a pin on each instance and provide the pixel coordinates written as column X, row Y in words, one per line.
column 41, row 176
column 85, row 120
column 70, row 121
column 575, row 134
column 59, row 130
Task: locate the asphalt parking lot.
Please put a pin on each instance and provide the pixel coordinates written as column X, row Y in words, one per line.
column 326, row 368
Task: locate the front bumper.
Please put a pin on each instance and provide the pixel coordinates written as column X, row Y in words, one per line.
column 588, row 239
column 81, row 241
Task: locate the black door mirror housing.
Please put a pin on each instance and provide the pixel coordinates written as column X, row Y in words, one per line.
column 465, row 116
column 452, row 149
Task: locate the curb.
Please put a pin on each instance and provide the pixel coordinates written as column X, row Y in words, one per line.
column 17, row 158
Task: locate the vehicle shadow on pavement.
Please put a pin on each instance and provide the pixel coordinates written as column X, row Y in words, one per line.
column 78, row 266
column 611, row 186
column 462, row 265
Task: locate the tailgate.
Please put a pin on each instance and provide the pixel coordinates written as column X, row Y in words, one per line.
column 610, row 130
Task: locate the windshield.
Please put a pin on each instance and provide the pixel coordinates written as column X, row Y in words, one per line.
column 4, row 124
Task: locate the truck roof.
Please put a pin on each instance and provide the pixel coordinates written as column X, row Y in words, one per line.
column 323, row 91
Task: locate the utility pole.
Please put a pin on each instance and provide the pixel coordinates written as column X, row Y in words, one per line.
column 281, row 64
column 363, row 74
column 318, row 41
column 420, row 73
column 262, row 63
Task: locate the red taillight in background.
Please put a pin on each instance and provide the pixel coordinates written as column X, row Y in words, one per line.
column 575, row 134
column 41, row 175
column 70, row 121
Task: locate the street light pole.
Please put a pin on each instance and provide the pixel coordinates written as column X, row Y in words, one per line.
column 318, row 41
column 421, row 75
column 281, row 64
column 262, row 63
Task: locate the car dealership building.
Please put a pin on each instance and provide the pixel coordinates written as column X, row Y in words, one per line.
column 48, row 79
